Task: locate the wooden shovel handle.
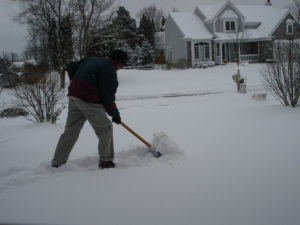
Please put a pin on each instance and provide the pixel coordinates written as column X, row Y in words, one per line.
column 135, row 134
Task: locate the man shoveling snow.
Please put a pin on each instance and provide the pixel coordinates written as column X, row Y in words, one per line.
column 91, row 95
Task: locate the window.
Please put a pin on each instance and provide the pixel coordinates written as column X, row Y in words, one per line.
column 196, row 49
column 232, row 23
column 201, row 51
column 170, row 54
column 289, row 27
column 230, row 26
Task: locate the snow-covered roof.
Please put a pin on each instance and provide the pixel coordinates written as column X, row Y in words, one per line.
column 212, row 11
column 267, row 19
column 209, row 11
column 228, row 14
column 191, row 25
column 268, row 16
column 252, row 34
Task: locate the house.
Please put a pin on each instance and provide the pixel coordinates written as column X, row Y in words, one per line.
column 159, row 43
column 227, row 32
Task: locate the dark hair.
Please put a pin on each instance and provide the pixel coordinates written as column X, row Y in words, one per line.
column 118, row 56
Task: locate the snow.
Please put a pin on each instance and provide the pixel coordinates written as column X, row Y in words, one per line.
column 227, row 158
column 190, row 25
column 212, row 9
column 228, row 14
column 269, row 17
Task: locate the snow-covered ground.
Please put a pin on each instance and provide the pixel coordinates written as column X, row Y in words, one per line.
column 227, row 158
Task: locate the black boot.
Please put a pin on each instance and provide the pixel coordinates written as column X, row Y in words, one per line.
column 56, row 164
column 106, row 164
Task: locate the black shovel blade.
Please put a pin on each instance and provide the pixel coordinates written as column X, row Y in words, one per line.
column 155, row 153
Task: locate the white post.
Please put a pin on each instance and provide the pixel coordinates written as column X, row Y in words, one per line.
column 210, row 50
column 193, row 53
column 221, row 53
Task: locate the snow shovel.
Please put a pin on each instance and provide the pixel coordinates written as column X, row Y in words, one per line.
column 152, row 150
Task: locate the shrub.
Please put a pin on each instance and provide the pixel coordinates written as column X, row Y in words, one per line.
column 42, row 100
column 13, row 112
column 9, row 80
column 282, row 76
column 179, row 64
column 33, row 73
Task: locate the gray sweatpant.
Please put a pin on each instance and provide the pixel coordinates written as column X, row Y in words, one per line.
column 79, row 112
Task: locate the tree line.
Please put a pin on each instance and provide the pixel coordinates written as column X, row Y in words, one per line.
column 63, row 30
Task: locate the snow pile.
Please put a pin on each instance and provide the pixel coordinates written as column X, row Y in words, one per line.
column 140, row 156
column 165, row 145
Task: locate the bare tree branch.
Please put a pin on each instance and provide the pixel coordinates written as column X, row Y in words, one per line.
column 283, row 76
column 153, row 13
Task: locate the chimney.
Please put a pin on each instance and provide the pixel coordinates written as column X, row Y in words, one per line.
column 268, row 3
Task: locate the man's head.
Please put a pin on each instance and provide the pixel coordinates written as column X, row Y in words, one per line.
column 119, row 58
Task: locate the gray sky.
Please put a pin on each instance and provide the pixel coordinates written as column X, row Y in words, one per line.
column 186, row 5
column 13, row 35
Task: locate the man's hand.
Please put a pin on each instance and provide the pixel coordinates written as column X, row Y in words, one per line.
column 117, row 119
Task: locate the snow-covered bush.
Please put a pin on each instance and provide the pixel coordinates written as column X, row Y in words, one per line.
column 13, row 112
column 42, row 100
column 204, row 64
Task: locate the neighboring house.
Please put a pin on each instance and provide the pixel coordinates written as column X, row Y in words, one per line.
column 227, row 32
column 159, row 43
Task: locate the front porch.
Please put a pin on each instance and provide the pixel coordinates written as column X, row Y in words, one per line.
column 199, row 52
column 231, row 52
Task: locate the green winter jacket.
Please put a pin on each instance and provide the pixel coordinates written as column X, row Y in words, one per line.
column 94, row 80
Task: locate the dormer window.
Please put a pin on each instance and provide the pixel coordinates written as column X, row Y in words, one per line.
column 229, row 26
column 289, row 27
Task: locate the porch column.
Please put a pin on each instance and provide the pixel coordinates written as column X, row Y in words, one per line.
column 221, row 53
column 189, row 53
column 210, row 50
column 193, row 53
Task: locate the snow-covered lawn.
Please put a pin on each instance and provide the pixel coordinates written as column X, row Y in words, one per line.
column 227, row 159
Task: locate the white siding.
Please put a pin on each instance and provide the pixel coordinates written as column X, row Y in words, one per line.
column 174, row 40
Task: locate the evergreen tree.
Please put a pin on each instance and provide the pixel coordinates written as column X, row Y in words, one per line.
column 125, row 47
column 102, row 41
column 124, row 27
column 144, row 54
column 147, row 53
column 147, row 28
column 123, row 34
